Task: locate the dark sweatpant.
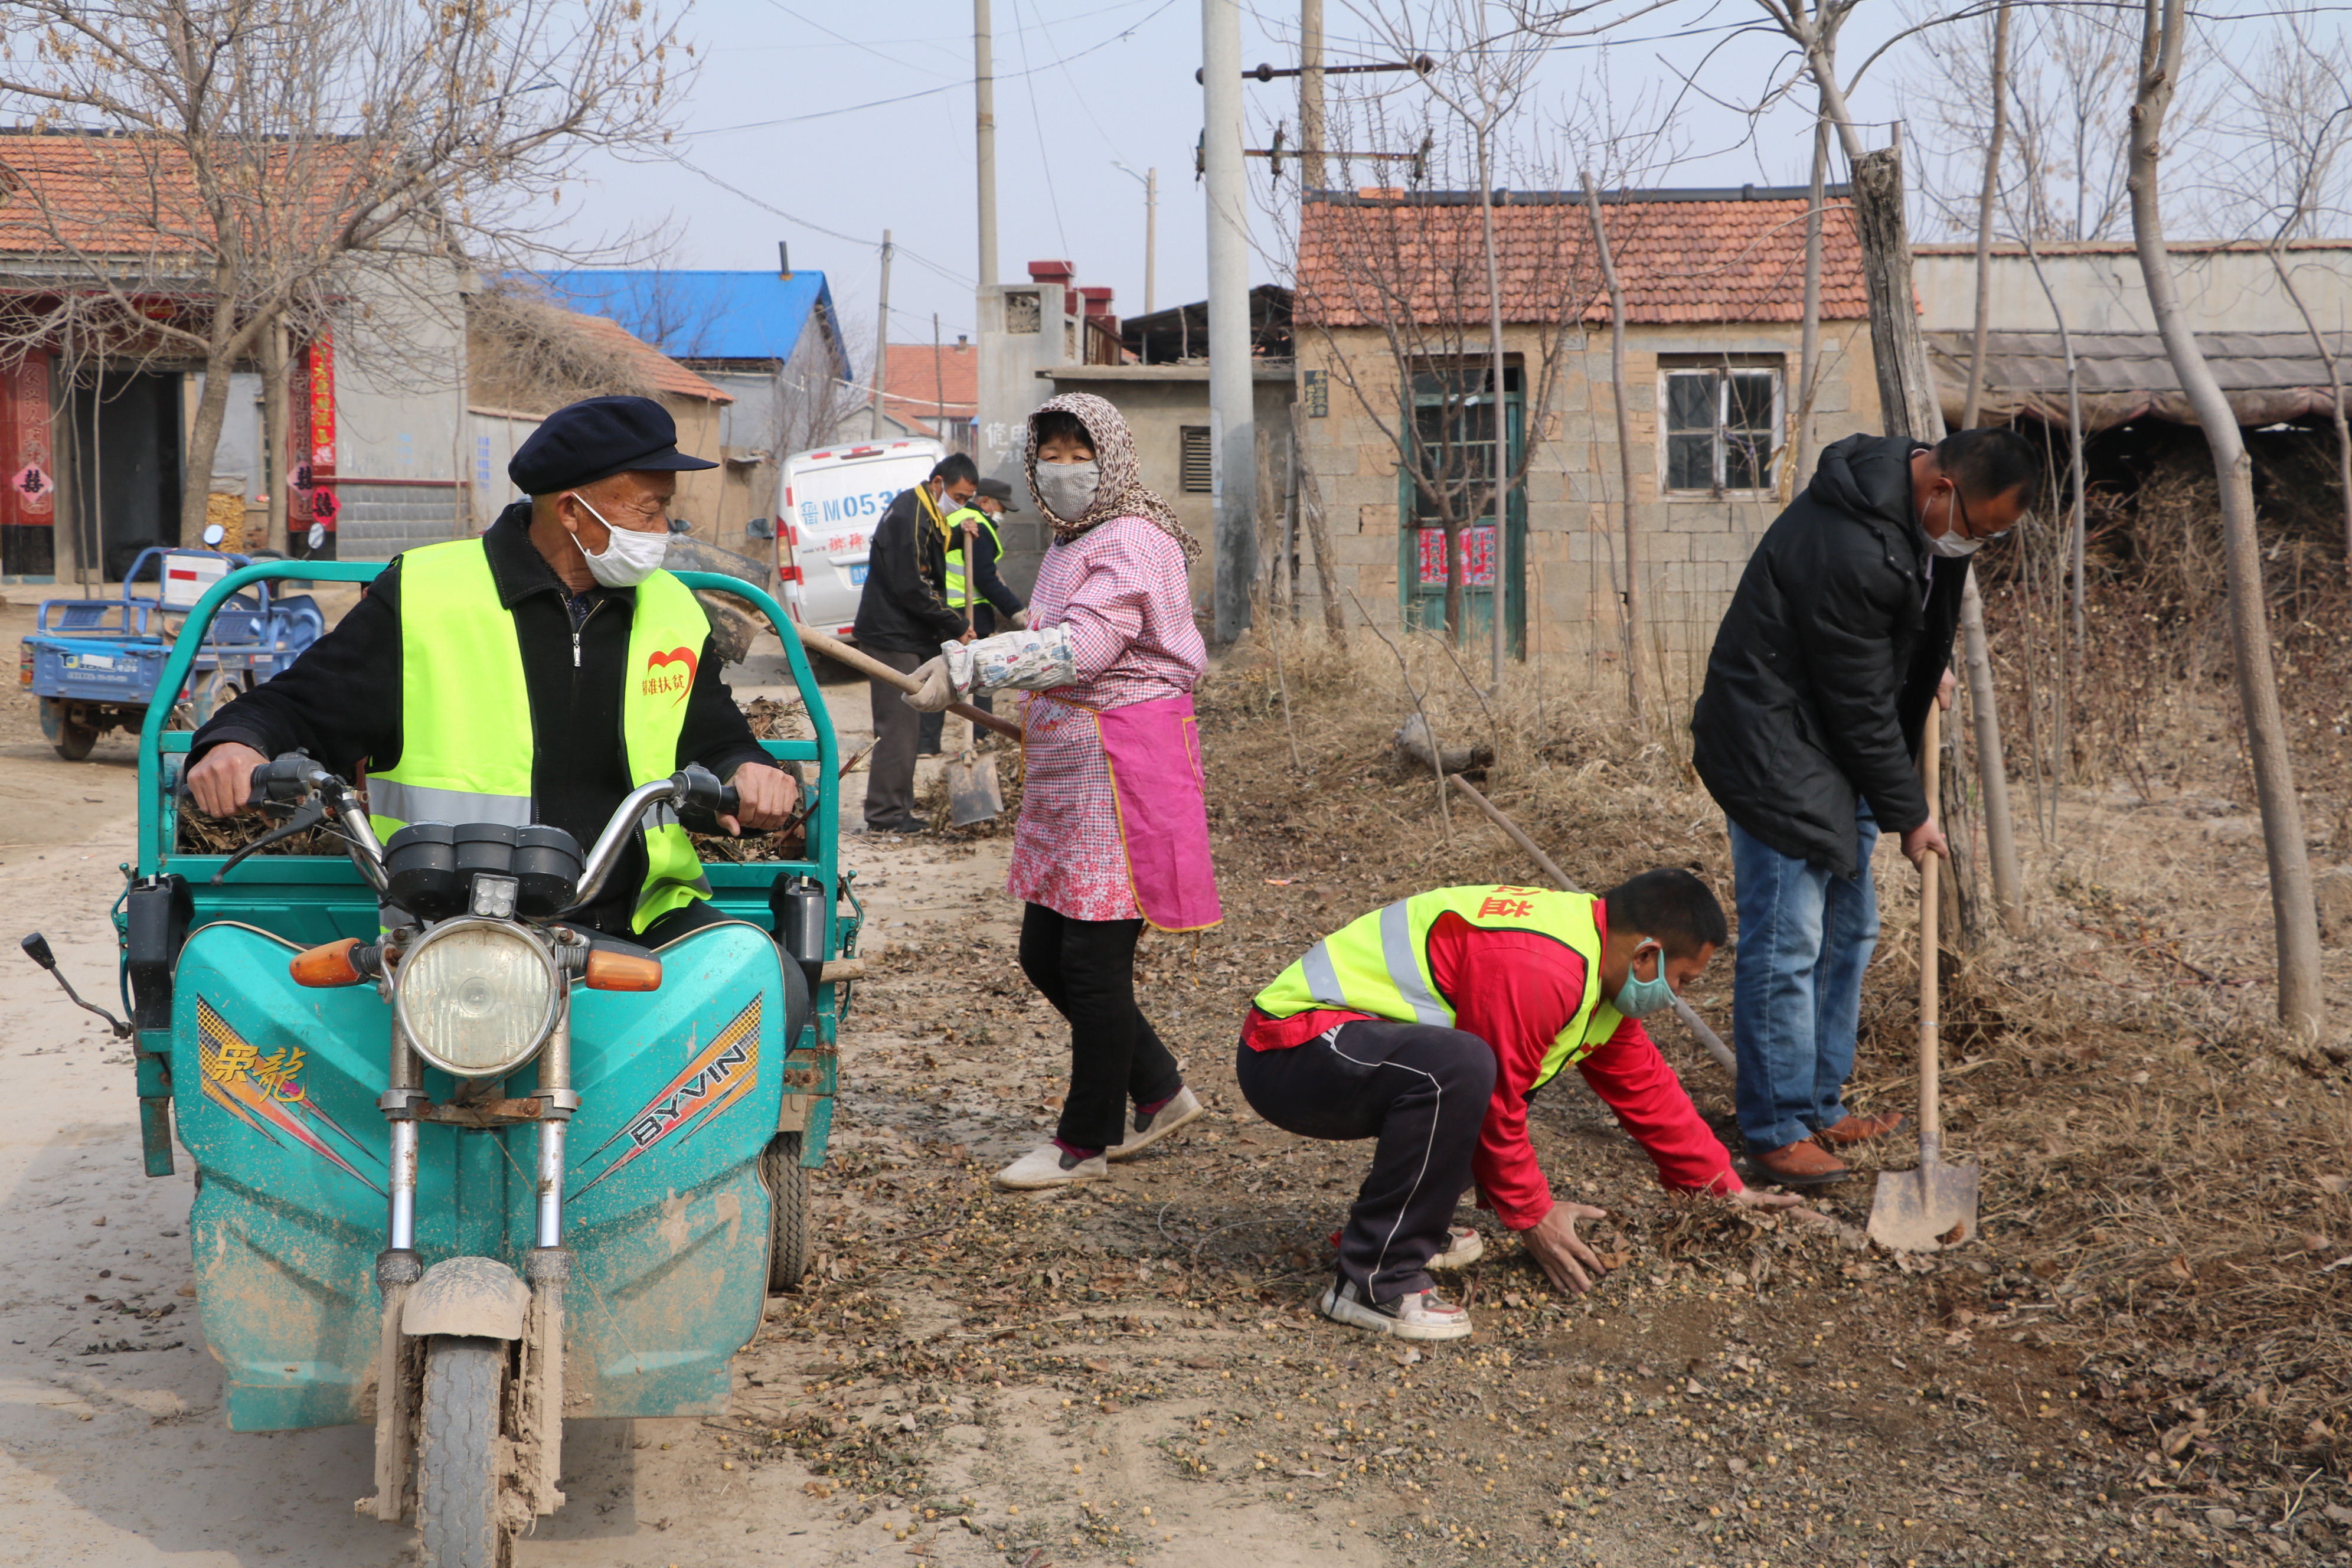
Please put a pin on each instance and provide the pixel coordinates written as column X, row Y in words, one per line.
column 1423, row 1091
column 890, row 770
column 1086, row 970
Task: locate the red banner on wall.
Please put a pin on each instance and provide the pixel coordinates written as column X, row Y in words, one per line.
column 311, row 499
column 29, row 484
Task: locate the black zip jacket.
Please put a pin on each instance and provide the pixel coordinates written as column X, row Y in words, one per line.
column 341, row 701
column 904, row 607
column 1817, row 686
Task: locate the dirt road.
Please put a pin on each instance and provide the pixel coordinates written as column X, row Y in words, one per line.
column 1132, row 1373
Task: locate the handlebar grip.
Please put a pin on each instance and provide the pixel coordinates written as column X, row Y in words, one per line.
column 730, row 802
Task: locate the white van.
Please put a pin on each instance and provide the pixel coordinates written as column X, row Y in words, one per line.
column 833, row 498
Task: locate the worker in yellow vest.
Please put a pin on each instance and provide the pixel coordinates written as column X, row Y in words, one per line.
column 1428, row 1024
column 536, row 674
column 975, row 545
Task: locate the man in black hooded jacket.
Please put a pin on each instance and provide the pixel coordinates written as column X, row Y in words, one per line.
column 1807, row 735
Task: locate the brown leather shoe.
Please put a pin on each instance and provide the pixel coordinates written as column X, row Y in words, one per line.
column 1803, row 1164
column 1855, row 1129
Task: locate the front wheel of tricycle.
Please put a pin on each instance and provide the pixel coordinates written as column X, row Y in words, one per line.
column 788, row 1203
column 457, row 1461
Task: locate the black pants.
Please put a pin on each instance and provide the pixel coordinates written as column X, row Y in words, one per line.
column 890, row 770
column 1423, row 1091
column 935, row 725
column 1086, row 970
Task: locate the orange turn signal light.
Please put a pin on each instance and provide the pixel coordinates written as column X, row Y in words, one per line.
column 328, row 965
column 621, row 971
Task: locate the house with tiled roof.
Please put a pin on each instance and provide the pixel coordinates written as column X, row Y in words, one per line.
column 932, row 389
column 98, row 406
column 1391, row 321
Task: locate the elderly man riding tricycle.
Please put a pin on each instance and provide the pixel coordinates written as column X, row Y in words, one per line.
column 501, row 1115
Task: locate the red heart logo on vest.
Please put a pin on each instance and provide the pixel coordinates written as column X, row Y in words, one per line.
column 658, row 680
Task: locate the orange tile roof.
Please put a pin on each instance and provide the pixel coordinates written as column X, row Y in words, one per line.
column 126, row 195
column 916, row 378
column 654, row 367
column 1365, row 258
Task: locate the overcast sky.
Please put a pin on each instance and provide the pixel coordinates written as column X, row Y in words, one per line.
column 832, row 122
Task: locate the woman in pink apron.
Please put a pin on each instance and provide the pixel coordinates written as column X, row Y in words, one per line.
column 1114, row 832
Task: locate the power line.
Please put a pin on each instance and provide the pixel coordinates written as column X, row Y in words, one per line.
column 958, row 85
column 952, row 276
column 1037, row 124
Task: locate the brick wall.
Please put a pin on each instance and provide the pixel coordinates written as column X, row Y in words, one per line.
column 1694, row 547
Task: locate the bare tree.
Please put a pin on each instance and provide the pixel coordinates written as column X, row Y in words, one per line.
column 2297, row 106
column 2294, row 914
column 259, row 152
column 1635, row 696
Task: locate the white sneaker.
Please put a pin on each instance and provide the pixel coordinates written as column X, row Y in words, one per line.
column 1416, row 1315
column 1149, row 1130
column 1463, row 1249
column 1047, row 1166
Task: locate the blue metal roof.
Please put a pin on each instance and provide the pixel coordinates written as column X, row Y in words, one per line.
column 702, row 315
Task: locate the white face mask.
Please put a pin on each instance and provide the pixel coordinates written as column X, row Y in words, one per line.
column 1068, row 489
column 629, row 556
column 1951, row 545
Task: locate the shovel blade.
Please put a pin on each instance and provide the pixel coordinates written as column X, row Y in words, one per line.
column 1925, row 1210
column 973, row 795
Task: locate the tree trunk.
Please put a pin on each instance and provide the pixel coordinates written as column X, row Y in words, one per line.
column 1907, row 407
column 1636, row 692
column 1984, row 218
column 2293, row 913
column 1319, row 535
column 2336, row 384
column 1809, row 351
column 1504, row 472
column 278, row 472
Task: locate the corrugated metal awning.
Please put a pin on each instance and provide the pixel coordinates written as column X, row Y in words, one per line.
column 2268, row 378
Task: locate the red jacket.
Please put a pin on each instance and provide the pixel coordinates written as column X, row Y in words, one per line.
column 1517, row 990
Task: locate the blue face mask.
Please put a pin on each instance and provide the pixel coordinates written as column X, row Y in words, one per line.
column 1638, row 997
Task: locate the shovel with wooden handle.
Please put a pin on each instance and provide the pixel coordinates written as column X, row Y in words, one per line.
column 867, row 664
column 972, row 793
column 1933, row 1207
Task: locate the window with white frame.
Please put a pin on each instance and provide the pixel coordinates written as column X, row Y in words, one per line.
column 1722, row 420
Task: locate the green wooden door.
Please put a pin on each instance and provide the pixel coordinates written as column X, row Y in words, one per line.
column 1453, row 428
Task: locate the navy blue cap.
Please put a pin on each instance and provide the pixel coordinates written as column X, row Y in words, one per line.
column 594, row 439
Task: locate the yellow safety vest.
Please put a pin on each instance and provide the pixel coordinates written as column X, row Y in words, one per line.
column 959, row 596
column 1380, row 963
column 467, row 742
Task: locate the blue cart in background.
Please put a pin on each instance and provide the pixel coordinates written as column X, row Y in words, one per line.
column 94, row 664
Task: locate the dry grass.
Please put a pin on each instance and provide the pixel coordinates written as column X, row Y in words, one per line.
column 2166, row 1175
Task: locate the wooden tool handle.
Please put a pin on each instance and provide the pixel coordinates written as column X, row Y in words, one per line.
column 1931, row 1127
column 867, row 664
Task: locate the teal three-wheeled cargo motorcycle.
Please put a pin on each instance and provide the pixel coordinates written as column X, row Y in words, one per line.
column 463, row 1171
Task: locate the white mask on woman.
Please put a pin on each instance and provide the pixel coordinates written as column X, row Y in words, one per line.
column 1068, row 489
column 629, row 556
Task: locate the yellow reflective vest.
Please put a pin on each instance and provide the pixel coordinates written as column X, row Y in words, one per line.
column 467, row 742
column 1379, row 963
column 960, row 596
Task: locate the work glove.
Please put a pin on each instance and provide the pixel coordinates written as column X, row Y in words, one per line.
column 938, row 689
column 1013, row 661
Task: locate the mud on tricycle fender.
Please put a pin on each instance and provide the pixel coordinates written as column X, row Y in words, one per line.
column 476, row 1296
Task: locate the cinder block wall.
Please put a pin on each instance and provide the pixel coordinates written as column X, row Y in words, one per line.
column 1694, row 547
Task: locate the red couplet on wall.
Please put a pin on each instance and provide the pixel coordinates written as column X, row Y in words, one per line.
column 313, row 499
column 28, row 490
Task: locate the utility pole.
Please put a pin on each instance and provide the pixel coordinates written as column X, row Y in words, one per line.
column 1150, row 237
column 1232, row 429
column 881, row 342
column 983, row 93
column 1311, row 95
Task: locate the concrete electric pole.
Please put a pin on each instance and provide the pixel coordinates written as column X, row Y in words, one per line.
column 1311, row 95
column 1233, row 428
column 984, row 92
column 881, row 340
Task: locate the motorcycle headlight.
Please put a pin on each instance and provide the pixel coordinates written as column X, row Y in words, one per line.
column 477, row 998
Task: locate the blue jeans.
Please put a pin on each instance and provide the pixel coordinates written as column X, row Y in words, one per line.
column 1805, row 936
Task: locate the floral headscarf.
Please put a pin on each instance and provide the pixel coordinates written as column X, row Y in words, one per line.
column 1122, row 492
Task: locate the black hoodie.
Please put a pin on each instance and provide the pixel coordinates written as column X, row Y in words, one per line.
column 1817, row 686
